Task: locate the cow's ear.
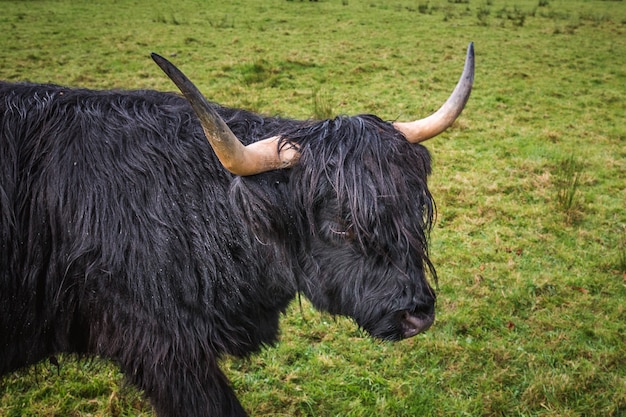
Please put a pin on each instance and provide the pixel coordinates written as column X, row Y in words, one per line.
column 262, row 203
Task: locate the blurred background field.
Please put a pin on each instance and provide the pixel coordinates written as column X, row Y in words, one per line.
column 530, row 184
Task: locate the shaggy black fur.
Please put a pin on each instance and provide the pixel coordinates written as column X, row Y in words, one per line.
column 121, row 235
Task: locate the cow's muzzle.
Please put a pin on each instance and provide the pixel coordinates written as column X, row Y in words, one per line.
column 415, row 322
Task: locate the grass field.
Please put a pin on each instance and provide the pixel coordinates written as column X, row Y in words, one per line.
column 530, row 184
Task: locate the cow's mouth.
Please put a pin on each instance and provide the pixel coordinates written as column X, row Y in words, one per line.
column 413, row 323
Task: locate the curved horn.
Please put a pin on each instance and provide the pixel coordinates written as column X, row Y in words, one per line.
column 431, row 126
column 242, row 160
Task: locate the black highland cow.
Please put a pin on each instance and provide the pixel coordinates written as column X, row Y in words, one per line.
column 123, row 234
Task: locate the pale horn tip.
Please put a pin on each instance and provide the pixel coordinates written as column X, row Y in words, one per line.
column 423, row 129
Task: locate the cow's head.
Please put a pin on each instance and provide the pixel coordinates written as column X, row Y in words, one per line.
column 357, row 202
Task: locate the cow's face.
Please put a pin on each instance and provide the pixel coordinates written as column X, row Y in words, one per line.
column 365, row 209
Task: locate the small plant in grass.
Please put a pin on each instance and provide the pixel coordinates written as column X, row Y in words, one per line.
column 621, row 257
column 162, row 19
column 568, row 177
column 225, row 22
column 482, row 14
column 516, row 15
column 449, row 15
column 322, row 108
column 257, row 72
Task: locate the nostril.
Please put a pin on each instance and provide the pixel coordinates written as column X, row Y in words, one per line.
column 417, row 321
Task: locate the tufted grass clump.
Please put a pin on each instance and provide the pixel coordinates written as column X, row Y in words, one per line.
column 322, row 106
column 569, row 174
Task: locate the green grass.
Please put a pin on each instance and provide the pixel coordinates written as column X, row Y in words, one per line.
column 531, row 313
